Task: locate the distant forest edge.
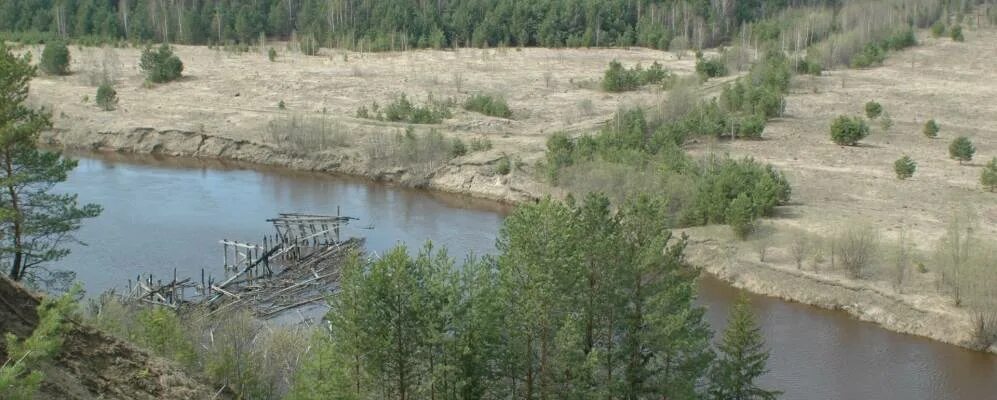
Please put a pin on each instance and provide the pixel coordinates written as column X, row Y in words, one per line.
column 402, row 24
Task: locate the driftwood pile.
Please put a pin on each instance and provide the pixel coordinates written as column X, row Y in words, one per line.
column 297, row 266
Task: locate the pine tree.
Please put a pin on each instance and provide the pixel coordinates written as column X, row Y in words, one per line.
column 34, row 222
column 904, row 167
column 742, row 359
column 962, row 149
column 20, row 375
column 741, row 216
column 55, row 59
column 663, row 337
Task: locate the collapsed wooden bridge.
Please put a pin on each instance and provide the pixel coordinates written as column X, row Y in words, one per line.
column 297, row 265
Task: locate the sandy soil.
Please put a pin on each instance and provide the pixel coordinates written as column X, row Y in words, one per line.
column 222, row 108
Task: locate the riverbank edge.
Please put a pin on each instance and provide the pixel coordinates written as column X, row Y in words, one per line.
column 859, row 301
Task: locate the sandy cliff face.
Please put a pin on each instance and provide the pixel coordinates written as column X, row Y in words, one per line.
column 470, row 175
column 932, row 316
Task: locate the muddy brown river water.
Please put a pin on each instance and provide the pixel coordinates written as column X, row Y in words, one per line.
column 164, row 213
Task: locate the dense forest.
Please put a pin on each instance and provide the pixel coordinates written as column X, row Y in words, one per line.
column 395, row 24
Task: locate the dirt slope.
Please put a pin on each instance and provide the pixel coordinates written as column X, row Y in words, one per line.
column 94, row 365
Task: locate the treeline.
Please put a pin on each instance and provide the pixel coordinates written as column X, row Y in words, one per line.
column 581, row 302
column 395, row 24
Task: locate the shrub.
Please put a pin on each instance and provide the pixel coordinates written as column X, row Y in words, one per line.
column 856, row 247
column 848, row 131
column 478, row 144
column 931, row 129
column 956, row 34
column 711, row 67
column 107, row 97
column 873, row 110
column 272, row 54
column 904, row 167
column 989, row 175
column 885, row 121
column 160, row 65
column 962, row 149
column 618, row 79
column 494, row 106
column 504, row 166
column 872, row 54
column 281, row 105
column 55, row 59
column 457, row 148
column 401, row 109
column 752, row 126
column 901, row 39
column 809, row 67
column 938, row 29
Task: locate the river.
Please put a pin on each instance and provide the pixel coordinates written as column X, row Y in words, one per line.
column 166, row 213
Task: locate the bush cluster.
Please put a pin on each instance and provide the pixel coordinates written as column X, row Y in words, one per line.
column 719, row 181
column 873, row 110
column 491, row 105
column 956, row 34
column 848, row 131
column 620, row 79
column 875, row 53
column 401, row 109
column 722, row 181
column 160, row 65
column 711, row 67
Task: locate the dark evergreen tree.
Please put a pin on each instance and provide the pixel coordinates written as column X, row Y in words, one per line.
column 741, row 360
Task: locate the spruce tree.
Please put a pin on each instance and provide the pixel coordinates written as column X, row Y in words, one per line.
column 741, row 360
column 34, row 221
